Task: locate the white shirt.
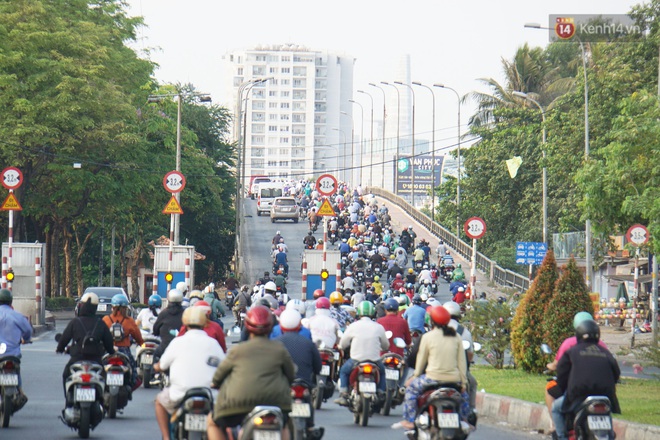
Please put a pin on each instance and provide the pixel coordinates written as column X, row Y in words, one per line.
column 425, row 274
column 366, row 338
column 192, row 360
column 323, row 328
column 348, row 283
column 147, row 319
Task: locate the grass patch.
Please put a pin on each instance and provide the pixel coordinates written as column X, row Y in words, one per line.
column 639, row 398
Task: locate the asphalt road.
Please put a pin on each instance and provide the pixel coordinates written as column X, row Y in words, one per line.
column 42, row 369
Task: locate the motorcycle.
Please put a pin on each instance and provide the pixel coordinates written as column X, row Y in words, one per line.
column 229, row 297
column 419, row 265
column 262, row 423
column 302, row 413
column 189, row 420
column 394, row 368
column 438, row 414
column 84, row 397
column 333, row 237
column 325, row 386
column 117, row 390
column 362, row 398
column 359, row 277
column 144, row 356
column 10, row 367
column 448, row 272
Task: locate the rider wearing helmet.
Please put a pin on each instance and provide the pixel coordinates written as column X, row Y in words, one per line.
column 211, row 328
column 14, row 329
column 396, row 324
column 169, row 321
column 411, row 277
column 441, row 358
column 322, row 326
column 192, row 359
column 309, row 241
column 302, row 350
column 398, row 282
column 586, row 369
column 147, row 316
column 182, row 287
column 377, row 286
column 241, row 303
column 336, row 312
column 299, row 306
column 256, row 372
column 455, row 312
column 366, row 339
column 415, row 315
column 124, row 331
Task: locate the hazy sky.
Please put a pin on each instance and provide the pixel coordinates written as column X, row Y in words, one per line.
column 451, row 42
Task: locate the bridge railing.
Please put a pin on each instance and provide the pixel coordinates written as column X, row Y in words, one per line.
column 497, row 274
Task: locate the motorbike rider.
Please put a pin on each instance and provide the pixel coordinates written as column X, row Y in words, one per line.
column 323, row 327
column 401, row 256
column 256, row 372
column 440, row 251
column 419, row 255
column 376, row 260
column 217, row 309
column 14, row 329
column 310, row 305
column 265, row 278
column 396, row 324
column 459, row 297
column 415, row 315
column 168, row 323
column 280, row 280
column 377, row 286
column 231, row 283
column 211, row 328
column 366, row 339
column 191, row 358
column 395, row 270
column 298, row 306
column 147, row 316
column 411, row 277
column 336, row 312
column 85, row 323
column 309, row 241
column 348, row 283
column 281, row 260
column 182, row 287
column 445, row 261
column 586, row 369
column 344, row 247
column 398, row 282
column 458, row 275
column 425, row 274
column 241, row 304
column 122, row 337
column 276, row 238
column 441, row 358
column 455, row 312
column 425, row 288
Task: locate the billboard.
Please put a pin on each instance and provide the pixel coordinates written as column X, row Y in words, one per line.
column 427, row 174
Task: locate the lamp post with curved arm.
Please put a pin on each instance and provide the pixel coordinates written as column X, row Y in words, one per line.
column 343, row 149
column 412, row 158
column 458, row 155
column 382, row 176
column 416, row 83
column 371, row 141
column 395, row 180
column 352, row 173
column 361, row 135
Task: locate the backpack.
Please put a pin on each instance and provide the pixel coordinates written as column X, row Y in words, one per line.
column 117, row 331
column 90, row 344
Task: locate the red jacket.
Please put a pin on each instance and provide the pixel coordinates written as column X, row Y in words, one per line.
column 214, row 330
column 399, row 328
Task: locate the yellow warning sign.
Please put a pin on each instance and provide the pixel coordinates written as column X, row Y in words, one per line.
column 172, row 207
column 11, row 203
column 326, row 209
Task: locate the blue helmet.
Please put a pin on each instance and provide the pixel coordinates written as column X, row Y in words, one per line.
column 391, row 305
column 155, row 301
column 119, row 300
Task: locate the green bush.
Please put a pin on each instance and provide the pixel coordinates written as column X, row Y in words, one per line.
column 527, row 332
column 570, row 297
column 491, row 327
column 60, row 303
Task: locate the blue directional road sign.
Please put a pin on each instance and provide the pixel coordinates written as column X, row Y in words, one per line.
column 530, row 252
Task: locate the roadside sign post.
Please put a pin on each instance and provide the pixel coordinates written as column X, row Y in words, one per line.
column 173, row 182
column 326, row 185
column 325, row 211
column 638, row 235
column 474, row 228
column 12, row 178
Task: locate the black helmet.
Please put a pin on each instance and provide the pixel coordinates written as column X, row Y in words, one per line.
column 588, row 331
column 309, row 233
column 5, row 296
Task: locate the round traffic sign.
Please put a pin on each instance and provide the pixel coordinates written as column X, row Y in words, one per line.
column 174, row 182
column 326, row 185
column 637, row 234
column 475, row 227
column 12, row 178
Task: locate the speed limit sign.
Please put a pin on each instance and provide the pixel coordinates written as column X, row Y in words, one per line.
column 638, row 234
column 174, row 182
column 326, row 185
column 475, row 227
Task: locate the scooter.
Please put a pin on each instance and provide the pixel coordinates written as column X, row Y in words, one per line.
column 325, row 386
column 362, row 398
column 394, row 369
column 10, row 367
column 117, row 390
column 189, row 420
column 84, row 397
column 144, row 356
column 229, row 298
column 262, row 423
column 438, row 414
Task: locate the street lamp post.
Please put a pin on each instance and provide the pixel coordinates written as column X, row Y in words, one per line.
column 458, row 154
column 398, row 137
column 432, row 151
column 371, row 142
column 587, row 226
column 203, row 97
column 352, row 174
column 361, row 136
column 343, row 149
column 412, row 161
column 544, row 175
column 382, row 176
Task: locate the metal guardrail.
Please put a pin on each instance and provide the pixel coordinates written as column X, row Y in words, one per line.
column 497, row 274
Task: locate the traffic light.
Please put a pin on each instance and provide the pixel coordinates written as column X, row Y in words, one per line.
column 169, row 277
column 324, row 274
column 10, row 276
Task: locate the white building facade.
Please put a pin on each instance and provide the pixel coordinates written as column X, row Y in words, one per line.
column 292, row 122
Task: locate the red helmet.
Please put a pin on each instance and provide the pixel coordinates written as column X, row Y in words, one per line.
column 399, row 276
column 203, row 304
column 323, row 303
column 439, row 315
column 318, row 293
column 259, row 321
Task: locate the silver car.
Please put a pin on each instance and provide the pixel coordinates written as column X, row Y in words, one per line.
column 284, row 208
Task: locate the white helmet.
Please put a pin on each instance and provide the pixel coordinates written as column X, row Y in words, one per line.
column 174, row 296
column 453, row 308
column 290, row 320
column 296, row 304
column 182, row 287
column 92, row 297
column 424, row 297
column 270, row 286
column 433, row 302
